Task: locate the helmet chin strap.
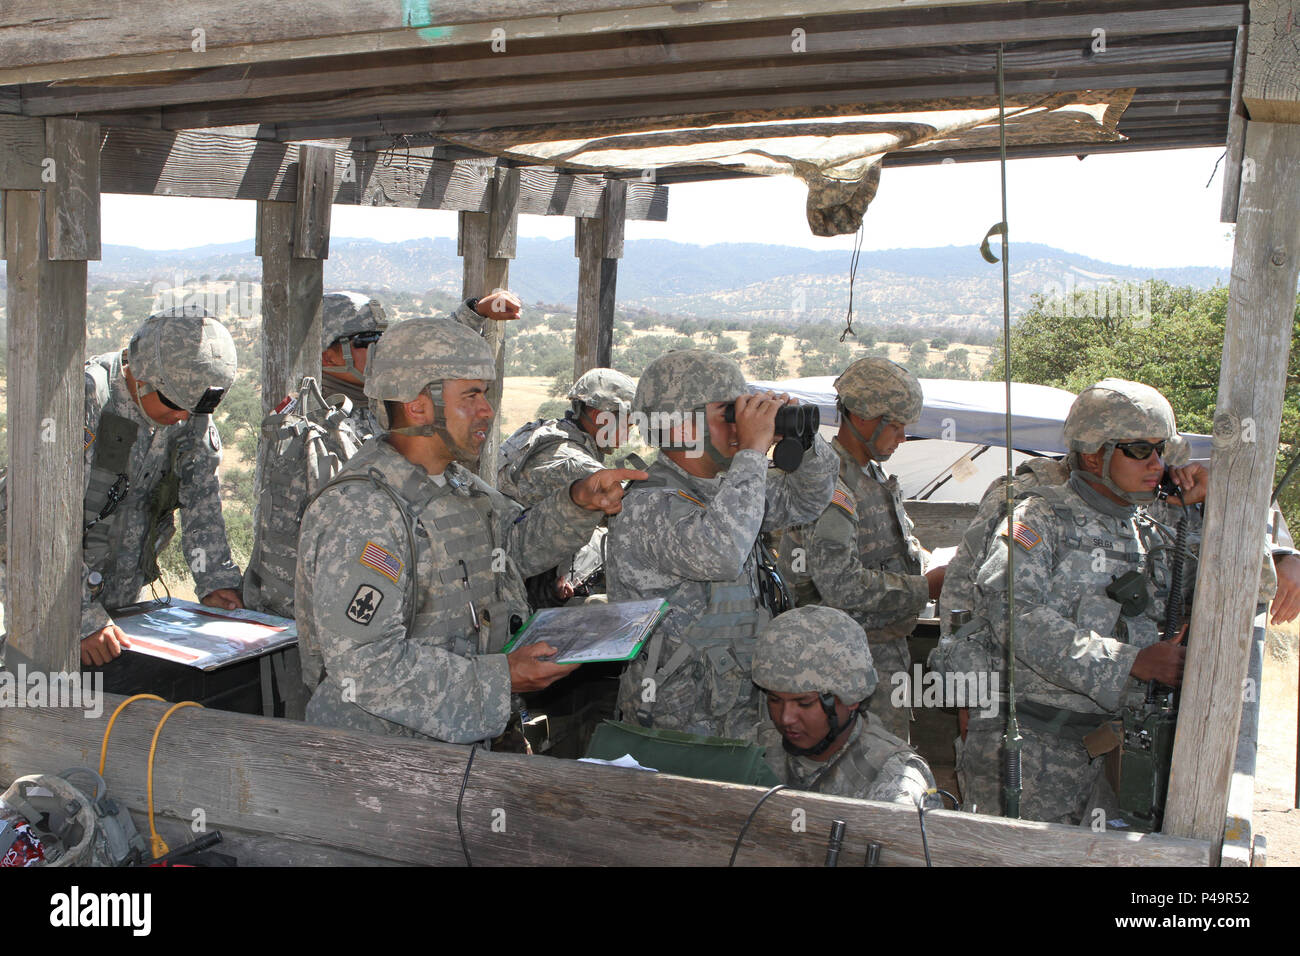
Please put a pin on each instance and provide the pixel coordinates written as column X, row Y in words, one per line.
column 868, row 444
column 1132, row 497
column 349, row 364
column 833, row 732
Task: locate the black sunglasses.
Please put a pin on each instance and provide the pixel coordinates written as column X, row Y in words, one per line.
column 206, row 406
column 364, row 340
column 1140, row 450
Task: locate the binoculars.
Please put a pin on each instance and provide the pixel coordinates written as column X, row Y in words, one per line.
column 796, row 425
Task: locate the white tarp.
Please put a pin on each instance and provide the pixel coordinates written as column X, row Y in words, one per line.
column 961, row 417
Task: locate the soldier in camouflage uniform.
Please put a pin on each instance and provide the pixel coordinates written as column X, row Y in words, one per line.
column 1080, row 655
column 814, row 666
column 690, row 534
column 151, row 447
column 860, row 555
column 545, row 454
column 409, row 579
column 350, row 324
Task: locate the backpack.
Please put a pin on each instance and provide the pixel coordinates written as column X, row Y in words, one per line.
column 306, row 441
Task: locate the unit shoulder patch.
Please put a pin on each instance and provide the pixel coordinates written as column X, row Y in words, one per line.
column 364, row 604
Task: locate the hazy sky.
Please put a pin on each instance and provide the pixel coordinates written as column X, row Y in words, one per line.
column 1140, row 209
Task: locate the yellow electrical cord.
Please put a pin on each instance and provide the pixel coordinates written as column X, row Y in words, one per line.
column 103, row 747
column 155, row 841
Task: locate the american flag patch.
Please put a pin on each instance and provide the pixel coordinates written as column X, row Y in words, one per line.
column 376, row 558
column 843, row 500
column 1024, row 536
column 89, row 438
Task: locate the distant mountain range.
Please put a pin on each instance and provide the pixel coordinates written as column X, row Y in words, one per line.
column 939, row 287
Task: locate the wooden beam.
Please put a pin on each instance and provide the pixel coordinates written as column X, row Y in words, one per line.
column 313, row 202
column 498, row 249
column 598, row 244
column 1236, row 134
column 1271, row 89
column 46, row 308
column 69, row 39
column 633, row 51
column 291, row 305
column 343, row 792
column 22, row 150
column 971, row 93
column 1075, row 63
column 1261, row 313
column 155, row 163
column 72, row 206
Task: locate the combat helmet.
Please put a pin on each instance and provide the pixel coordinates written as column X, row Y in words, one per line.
column 345, row 314
column 1116, row 410
column 185, row 355
column 418, row 355
column 816, row 650
column 603, row 388
column 875, row 387
column 681, row 383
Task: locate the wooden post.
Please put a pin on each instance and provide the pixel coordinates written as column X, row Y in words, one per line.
column 50, row 232
column 293, row 241
column 486, row 242
column 1257, row 341
column 598, row 244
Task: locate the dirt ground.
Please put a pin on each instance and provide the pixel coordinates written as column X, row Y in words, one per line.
column 1275, row 815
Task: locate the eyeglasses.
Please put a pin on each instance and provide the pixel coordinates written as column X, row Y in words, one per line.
column 1140, row 450
column 206, row 405
column 363, row 340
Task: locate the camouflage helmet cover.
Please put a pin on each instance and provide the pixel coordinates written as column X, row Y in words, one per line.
column 181, row 353
column 874, row 387
column 814, row 649
column 1118, row 410
column 685, row 379
column 604, row 389
column 416, row 352
column 347, row 313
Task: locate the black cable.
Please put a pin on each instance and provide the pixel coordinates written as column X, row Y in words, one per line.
column 956, row 804
column 740, row 836
column 853, row 272
column 460, row 828
column 925, row 843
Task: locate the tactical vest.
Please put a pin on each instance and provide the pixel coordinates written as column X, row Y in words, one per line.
column 720, row 641
column 975, row 646
column 109, row 483
column 453, row 547
column 302, row 449
column 530, row 439
column 855, row 769
column 884, row 539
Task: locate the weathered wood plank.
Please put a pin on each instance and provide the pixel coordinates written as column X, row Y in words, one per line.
column 155, row 163
column 22, row 148
column 1271, row 89
column 358, row 793
column 973, row 93
column 1238, row 829
column 291, row 306
column 791, row 73
column 314, row 200
column 72, row 39
column 1261, row 312
column 72, row 203
column 1236, row 135
column 479, row 277
column 46, row 308
column 598, row 244
column 823, row 36
column 940, row 524
column 503, row 217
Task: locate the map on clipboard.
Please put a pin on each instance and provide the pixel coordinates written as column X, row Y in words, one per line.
column 200, row 636
column 591, row 633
